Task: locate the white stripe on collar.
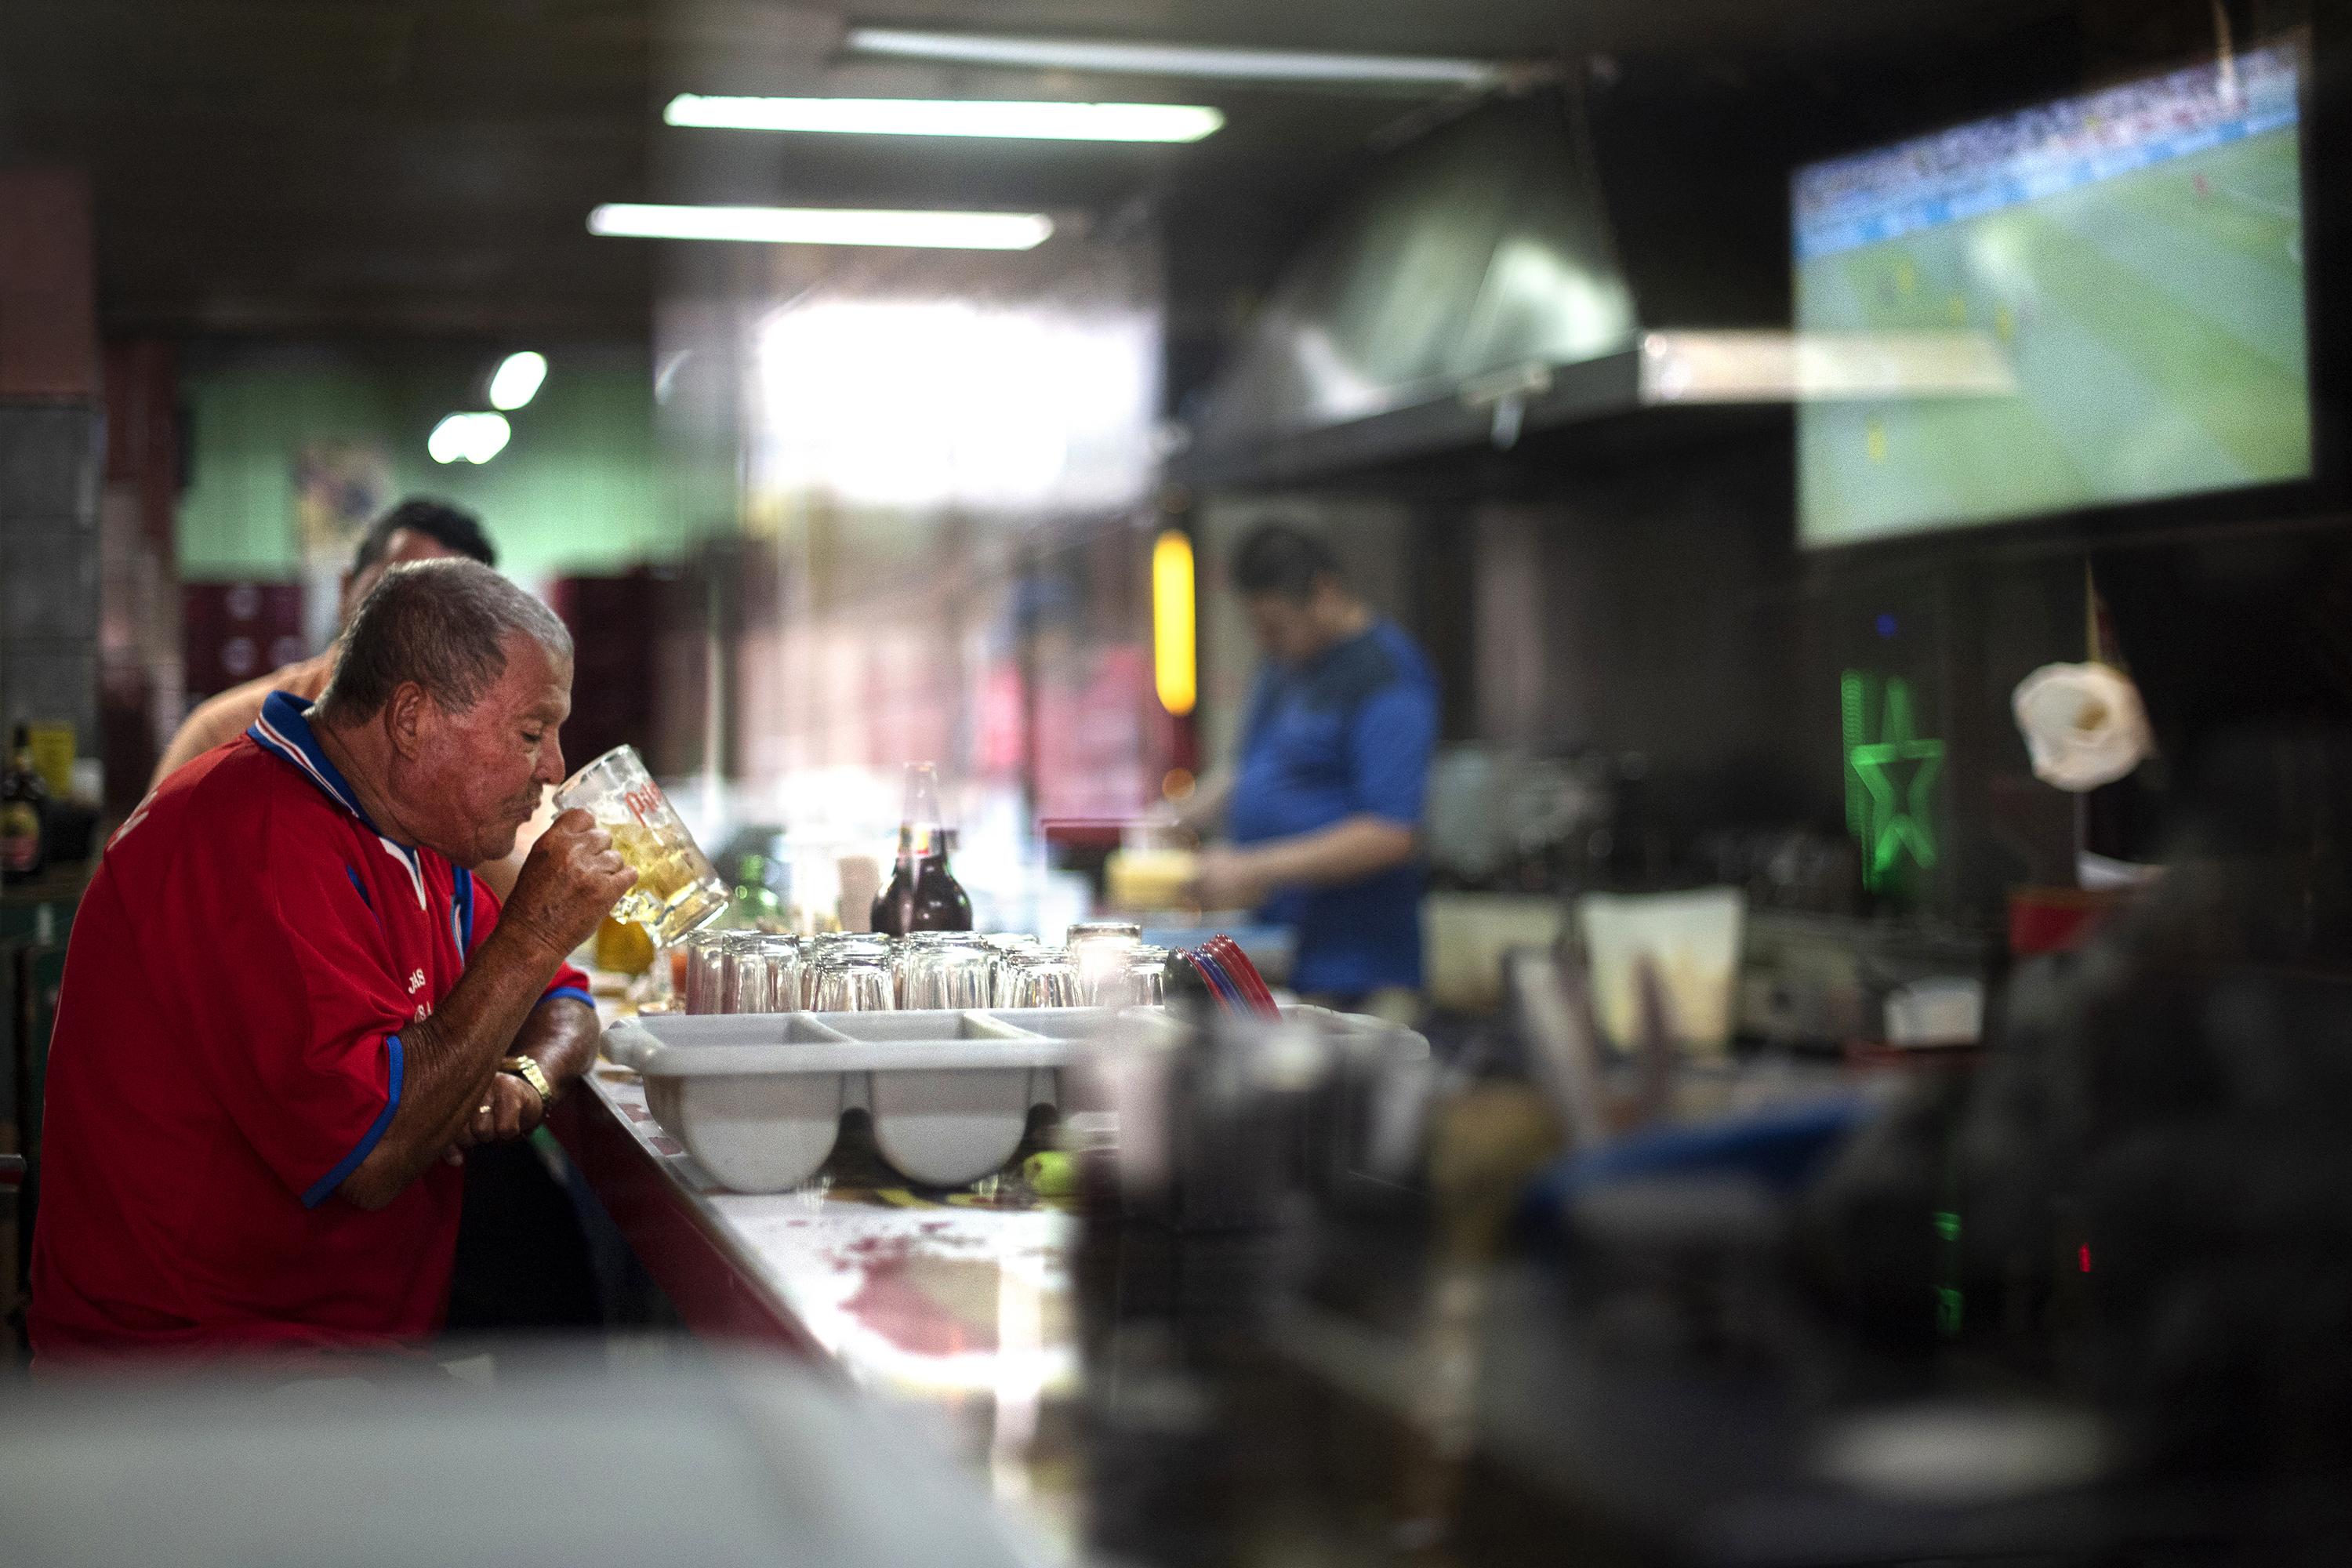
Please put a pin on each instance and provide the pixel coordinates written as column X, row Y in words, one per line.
column 270, row 735
column 407, row 859
column 277, row 741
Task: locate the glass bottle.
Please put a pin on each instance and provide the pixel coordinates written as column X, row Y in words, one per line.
column 757, row 906
column 23, row 802
column 922, row 893
column 940, row 902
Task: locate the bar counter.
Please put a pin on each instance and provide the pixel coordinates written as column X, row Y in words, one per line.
column 962, row 1306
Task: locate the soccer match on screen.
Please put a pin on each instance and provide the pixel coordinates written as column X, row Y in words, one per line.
column 2134, row 257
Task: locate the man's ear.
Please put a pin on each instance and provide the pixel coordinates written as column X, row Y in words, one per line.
column 407, row 717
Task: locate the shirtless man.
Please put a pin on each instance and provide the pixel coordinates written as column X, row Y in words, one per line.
column 415, row 530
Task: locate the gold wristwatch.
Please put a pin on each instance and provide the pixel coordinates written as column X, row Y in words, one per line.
column 531, row 1073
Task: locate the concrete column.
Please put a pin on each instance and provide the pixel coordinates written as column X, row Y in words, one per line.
column 51, row 440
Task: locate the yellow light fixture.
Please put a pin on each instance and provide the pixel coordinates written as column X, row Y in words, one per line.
column 1173, row 669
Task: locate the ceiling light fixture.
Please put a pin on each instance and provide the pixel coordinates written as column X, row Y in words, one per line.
column 517, row 380
column 1040, row 121
column 475, row 437
column 1210, row 61
column 825, row 226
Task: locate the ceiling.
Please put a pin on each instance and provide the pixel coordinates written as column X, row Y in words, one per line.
column 313, row 168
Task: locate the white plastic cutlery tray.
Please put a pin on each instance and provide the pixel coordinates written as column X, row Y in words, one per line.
column 757, row 1098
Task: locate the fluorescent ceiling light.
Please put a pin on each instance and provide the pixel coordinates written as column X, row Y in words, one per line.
column 517, row 380
column 826, row 225
column 1174, row 59
column 1740, row 367
column 476, row 437
column 1042, row 122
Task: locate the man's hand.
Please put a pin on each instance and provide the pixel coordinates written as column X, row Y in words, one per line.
column 500, row 1008
column 570, row 882
column 1202, row 810
column 1227, row 878
column 1347, row 851
column 509, row 1109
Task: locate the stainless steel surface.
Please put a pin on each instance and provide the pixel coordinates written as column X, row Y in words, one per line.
column 1476, row 263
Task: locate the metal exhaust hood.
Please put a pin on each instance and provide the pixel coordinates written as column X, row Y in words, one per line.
column 1475, row 289
column 1471, row 290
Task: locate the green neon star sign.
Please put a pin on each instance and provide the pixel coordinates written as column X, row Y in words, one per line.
column 1890, row 821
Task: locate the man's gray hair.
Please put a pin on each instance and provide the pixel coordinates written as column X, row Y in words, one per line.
column 441, row 624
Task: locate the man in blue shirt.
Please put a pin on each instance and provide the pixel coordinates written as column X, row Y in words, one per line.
column 1323, row 803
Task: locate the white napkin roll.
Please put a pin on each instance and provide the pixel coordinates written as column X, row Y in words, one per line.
column 2084, row 724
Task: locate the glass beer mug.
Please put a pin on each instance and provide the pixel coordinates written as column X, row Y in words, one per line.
column 676, row 890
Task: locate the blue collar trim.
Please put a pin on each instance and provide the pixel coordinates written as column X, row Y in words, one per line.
column 284, row 727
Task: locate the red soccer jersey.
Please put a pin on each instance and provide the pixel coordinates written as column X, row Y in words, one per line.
column 228, row 1051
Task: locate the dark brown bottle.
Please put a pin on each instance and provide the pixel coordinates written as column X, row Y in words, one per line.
column 940, row 903
column 922, row 894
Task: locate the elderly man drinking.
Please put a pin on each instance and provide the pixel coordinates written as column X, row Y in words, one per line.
column 289, row 1005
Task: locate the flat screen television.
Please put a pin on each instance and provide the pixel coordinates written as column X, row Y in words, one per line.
column 2131, row 261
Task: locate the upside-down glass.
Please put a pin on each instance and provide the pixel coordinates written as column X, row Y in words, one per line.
column 918, row 951
column 1142, row 983
column 704, row 952
column 950, row 975
column 742, row 974
column 1006, row 948
column 768, row 970
column 832, row 941
column 677, row 891
column 1100, row 950
column 856, row 982
column 838, row 944
column 1043, row 979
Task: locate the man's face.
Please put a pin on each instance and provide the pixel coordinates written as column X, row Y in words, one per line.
column 476, row 776
column 1286, row 630
column 405, row 544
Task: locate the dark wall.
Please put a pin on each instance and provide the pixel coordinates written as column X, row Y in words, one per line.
column 1653, row 605
column 1648, row 609
column 1634, row 587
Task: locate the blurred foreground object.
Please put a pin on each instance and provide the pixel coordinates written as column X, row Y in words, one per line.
column 2142, row 1199
column 738, row 1462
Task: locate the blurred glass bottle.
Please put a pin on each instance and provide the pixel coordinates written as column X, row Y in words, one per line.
column 757, row 906
column 24, row 810
column 922, row 893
